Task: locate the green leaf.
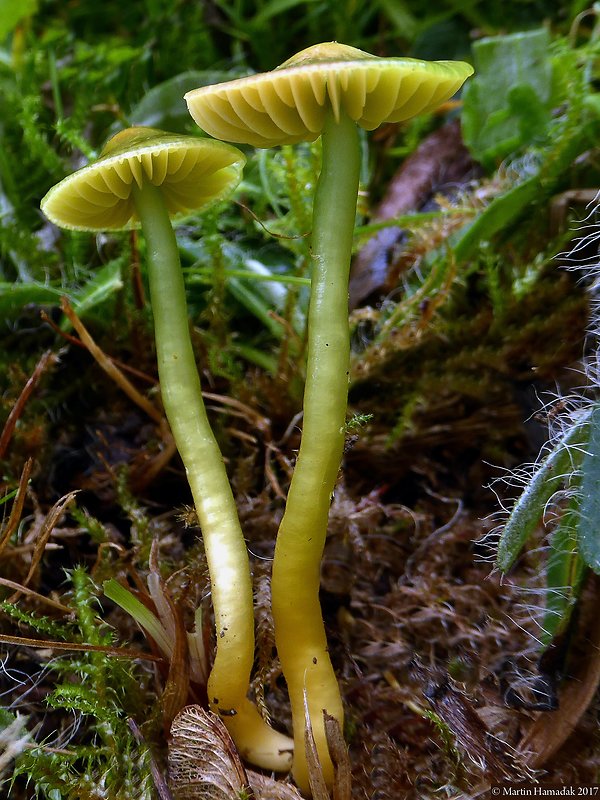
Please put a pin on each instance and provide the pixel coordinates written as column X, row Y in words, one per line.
column 500, row 213
column 12, row 12
column 398, row 13
column 561, row 461
column 6, row 718
column 508, row 103
column 588, row 531
column 564, row 573
column 592, row 103
column 105, row 283
column 528, row 110
column 14, row 296
column 164, row 107
column 142, row 615
column 8, row 496
column 276, row 7
column 255, row 303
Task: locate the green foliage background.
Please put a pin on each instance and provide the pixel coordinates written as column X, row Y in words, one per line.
column 72, row 74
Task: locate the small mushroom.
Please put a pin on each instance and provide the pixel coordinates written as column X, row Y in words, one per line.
column 143, row 177
column 327, row 90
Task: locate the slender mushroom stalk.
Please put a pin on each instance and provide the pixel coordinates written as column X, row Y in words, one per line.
column 328, row 90
column 142, row 178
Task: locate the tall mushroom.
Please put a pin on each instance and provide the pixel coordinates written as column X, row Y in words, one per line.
column 143, row 177
column 327, row 90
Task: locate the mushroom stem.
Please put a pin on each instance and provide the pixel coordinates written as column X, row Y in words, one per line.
column 299, row 630
column 226, row 554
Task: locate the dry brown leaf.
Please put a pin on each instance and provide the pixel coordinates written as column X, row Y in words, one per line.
column 43, row 536
column 342, row 789
column 315, row 771
column 266, row 788
column 17, row 508
column 441, row 159
column 552, row 729
column 176, row 689
column 487, row 752
column 204, row 763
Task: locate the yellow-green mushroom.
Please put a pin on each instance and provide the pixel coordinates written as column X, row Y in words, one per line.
column 142, row 178
column 328, row 90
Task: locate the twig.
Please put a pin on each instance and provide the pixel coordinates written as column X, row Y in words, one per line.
column 267, row 230
column 52, row 518
column 17, row 509
column 35, row 595
column 108, row 365
column 270, row 472
column 118, row 652
column 138, row 373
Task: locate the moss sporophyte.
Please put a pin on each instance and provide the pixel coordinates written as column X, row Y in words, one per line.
column 143, row 177
column 328, row 90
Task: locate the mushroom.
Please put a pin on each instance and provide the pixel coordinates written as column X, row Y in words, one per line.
column 142, row 177
column 327, row 90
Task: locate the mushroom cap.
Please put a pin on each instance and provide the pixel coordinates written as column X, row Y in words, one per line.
column 290, row 103
column 192, row 173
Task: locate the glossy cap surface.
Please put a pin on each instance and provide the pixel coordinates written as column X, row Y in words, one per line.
column 191, row 172
column 290, row 103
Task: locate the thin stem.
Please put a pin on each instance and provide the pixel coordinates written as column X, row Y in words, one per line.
column 226, row 554
column 108, row 365
column 299, row 630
